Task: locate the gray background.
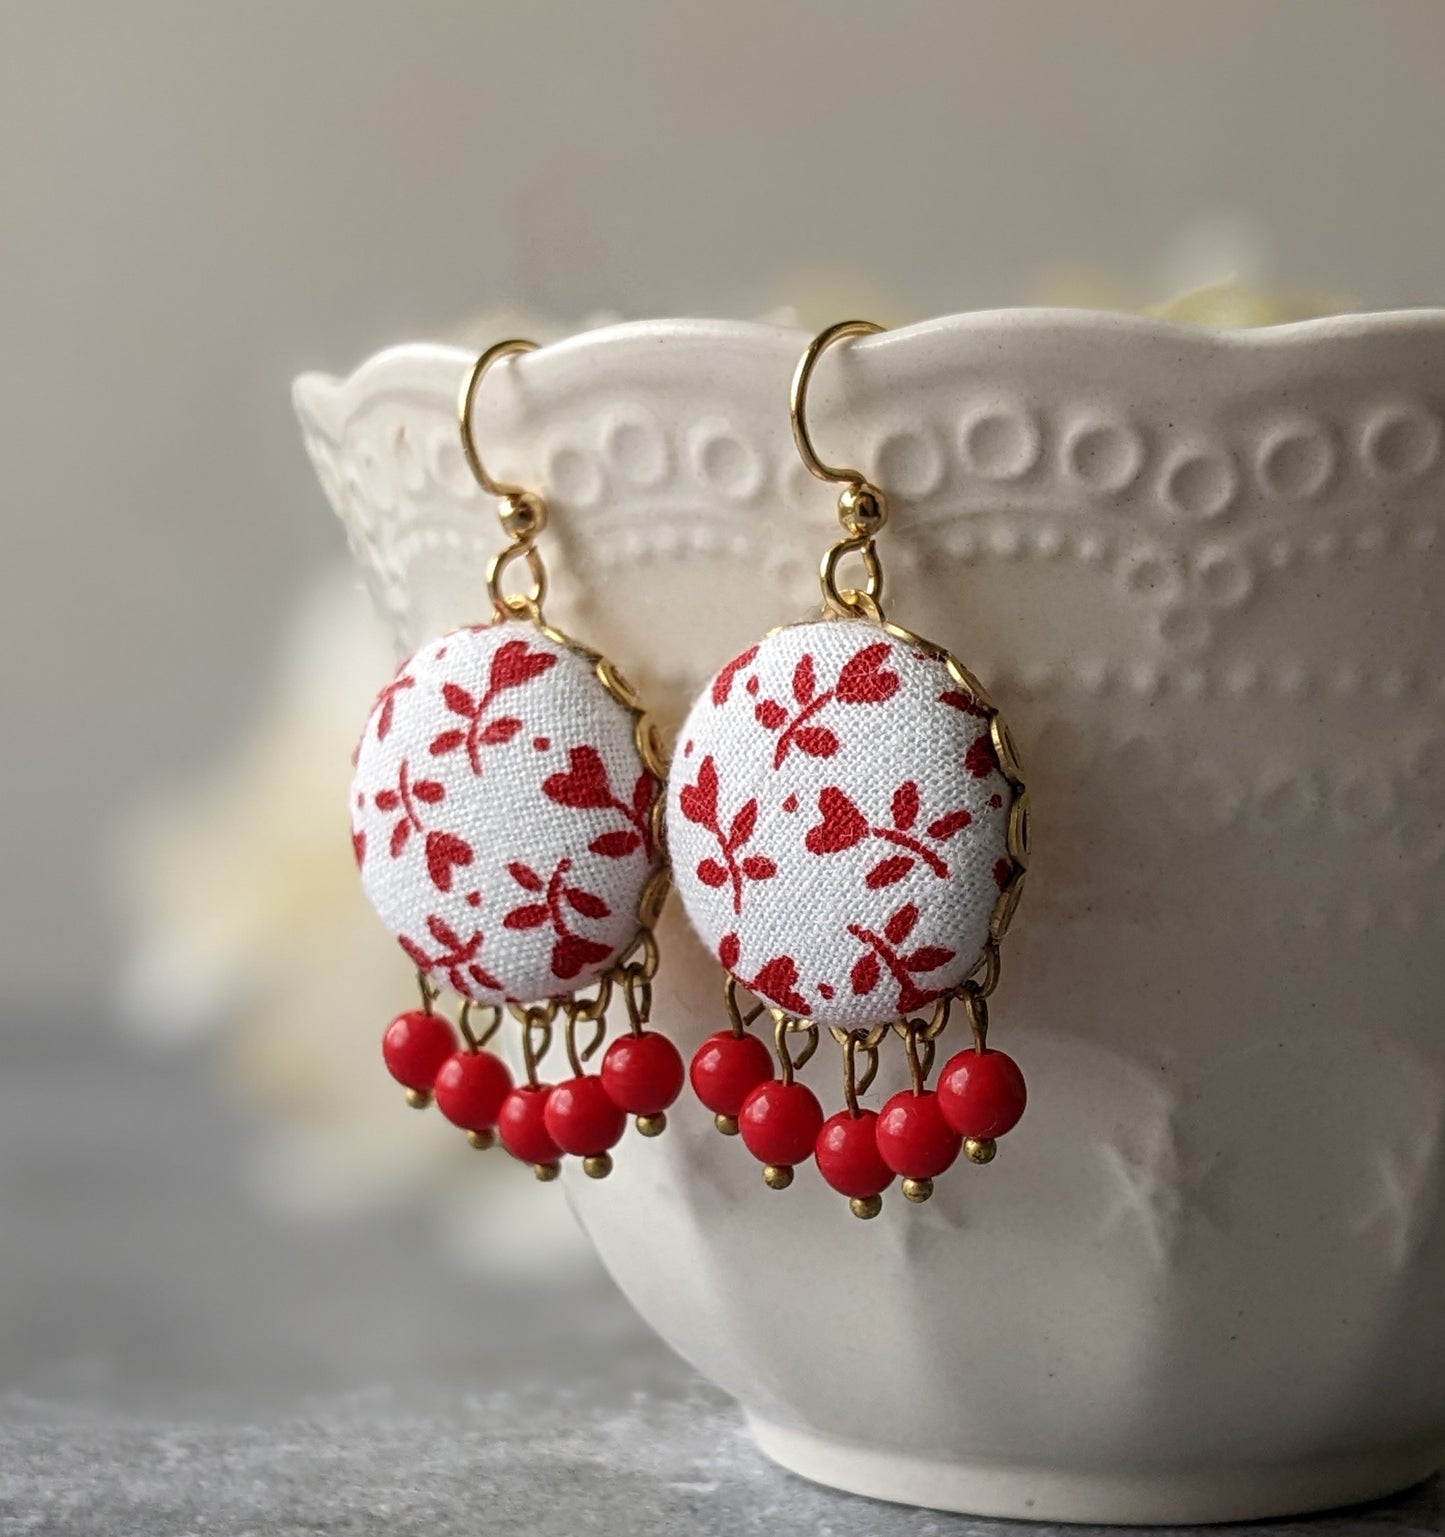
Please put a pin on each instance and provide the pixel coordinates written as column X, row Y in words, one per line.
column 203, row 197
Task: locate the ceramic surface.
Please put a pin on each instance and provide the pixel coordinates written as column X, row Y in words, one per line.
column 1201, row 573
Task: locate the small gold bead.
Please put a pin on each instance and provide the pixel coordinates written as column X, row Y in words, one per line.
column 917, row 1189
column 726, row 1124
column 861, row 511
column 980, row 1149
column 597, row 1166
column 482, row 1140
column 523, row 515
column 546, row 1171
column 418, row 1099
column 652, row 1125
column 866, row 1206
column 778, row 1176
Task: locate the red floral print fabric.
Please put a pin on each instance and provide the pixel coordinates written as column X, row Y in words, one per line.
column 500, row 815
column 838, row 823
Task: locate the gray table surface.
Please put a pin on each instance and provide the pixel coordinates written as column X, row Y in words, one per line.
column 174, row 1360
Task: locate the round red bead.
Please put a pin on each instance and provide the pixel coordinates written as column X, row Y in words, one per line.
column 780, row 1122
column 726, row 1068
column 415, row 1046
column 470, row 1089
column 522, row 1124
column 848, row 1156
column 643, row 1073
column 582, row 1118
column 914, row 1140
column 982, row 1093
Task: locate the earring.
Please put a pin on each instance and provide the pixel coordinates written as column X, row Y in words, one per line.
column 507, row 821
column 849, row 834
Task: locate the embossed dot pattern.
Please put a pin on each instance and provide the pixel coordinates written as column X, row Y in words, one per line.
column 1401, row 442
column 574, row 475
column 1000, row 444
column 1199, row 485
column 637, row 450
column 724, row 461
column 1296, row 462
column 909, row 463
column 1104, row 456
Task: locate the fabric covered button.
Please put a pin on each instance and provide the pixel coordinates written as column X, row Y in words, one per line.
column 501, row 815
column 838, row 823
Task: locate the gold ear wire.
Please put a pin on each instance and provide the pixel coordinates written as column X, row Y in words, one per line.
column 466, row 403
column 797, row 400
column 862, row 507
column 523, row 513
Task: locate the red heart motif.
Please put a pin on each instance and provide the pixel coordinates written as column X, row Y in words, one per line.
column 778, row 980
column 699, row 801
column 865, row 680
column 572, row 952
column 842, row 826
column 585, row 785
column 980, row 760
column 722, row 685
column 444, row 852
column 516, row 663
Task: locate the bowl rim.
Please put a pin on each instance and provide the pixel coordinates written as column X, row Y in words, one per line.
column 344, row 390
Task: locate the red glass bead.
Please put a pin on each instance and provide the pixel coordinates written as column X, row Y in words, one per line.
column 581, row 1117
column 780, row 1123
column 914, row 1140
column 415, row 1046
column 848, row 1156
column 643, row 1073
column 982, row 1093
column 727, row 1068
column 470, row 1089
column 522, row 1125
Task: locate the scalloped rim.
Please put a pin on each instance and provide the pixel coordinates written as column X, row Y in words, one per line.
column 330, row 393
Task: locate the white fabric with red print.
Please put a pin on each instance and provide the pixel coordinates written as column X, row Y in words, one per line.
column 501, row 815
column 838, row 823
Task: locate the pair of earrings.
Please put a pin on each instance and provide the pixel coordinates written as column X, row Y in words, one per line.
column 847, row 827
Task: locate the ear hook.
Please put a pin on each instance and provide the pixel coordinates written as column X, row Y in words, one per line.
column 523, row 513
column 798, row 396
column 467, row 401
column 862, row 507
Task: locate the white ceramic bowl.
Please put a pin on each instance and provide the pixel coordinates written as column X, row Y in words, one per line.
column 1202, row 573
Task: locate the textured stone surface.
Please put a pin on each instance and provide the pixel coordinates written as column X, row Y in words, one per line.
column 667, row 1459
column 175, row 1362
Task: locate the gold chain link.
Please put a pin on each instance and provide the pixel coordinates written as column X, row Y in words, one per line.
column 476, row 1041
column 853, row 602
column 518, row 605
column 536, row 1022
column 783, row 1023
column 736, row 1018
column 854, row 1041
column 920, row 1047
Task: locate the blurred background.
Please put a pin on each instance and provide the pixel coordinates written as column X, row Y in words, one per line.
column 202, row 198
